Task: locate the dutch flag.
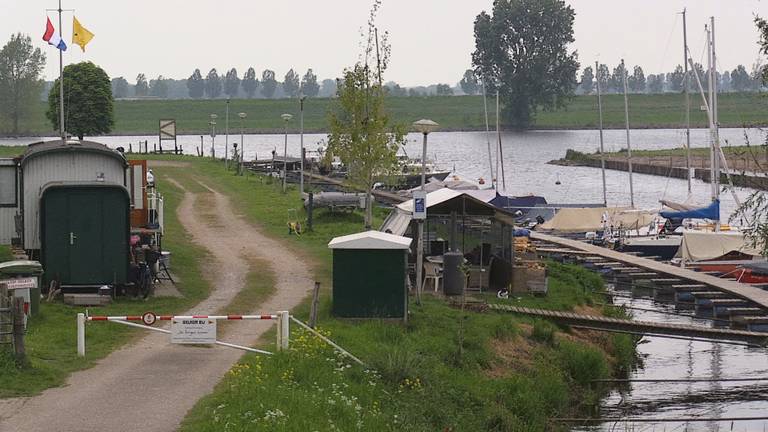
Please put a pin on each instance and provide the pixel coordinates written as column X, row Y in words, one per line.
column 53, row 37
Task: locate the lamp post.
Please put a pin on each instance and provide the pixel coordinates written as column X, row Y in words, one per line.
column 286, row 118
column 226, row 138
column 425, row 127
column 301, row 132
column 213, row 134
column 242, row 116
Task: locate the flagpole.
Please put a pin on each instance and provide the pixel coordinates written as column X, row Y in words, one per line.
column 61, row 82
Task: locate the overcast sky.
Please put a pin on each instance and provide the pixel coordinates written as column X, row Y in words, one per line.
column 431, row 39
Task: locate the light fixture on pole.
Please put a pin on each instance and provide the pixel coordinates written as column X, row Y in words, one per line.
column 425, row 127
column 226, row 138
column 213, row 135
column 301, row 152
column 242, row 116
column 286, row 118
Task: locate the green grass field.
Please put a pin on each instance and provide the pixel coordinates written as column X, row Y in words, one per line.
column 452, row 112
column 5, row 253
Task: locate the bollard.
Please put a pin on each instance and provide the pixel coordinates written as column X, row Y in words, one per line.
column 81, row 335
column 283, row 330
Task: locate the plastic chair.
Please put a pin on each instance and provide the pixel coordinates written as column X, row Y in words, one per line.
column 434, row 273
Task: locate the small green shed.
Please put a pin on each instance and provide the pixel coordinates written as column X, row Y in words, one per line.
column 369, row 275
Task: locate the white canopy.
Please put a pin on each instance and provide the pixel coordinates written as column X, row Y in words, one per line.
column 703, row 246
column 370, row 240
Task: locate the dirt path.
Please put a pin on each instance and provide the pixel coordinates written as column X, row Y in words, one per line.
column 151, row 385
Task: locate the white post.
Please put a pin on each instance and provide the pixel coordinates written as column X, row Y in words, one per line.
column 629, row 146
column 600, row 117
column 81, row 335
column 283, row 330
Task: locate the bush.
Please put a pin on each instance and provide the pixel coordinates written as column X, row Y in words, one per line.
column 583, row 363
column 543, row 331
column 399, row 365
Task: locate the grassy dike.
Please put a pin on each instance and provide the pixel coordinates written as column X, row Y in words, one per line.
column 139, row 117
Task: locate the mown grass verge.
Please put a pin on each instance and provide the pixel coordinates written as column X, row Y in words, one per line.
column 5, row 253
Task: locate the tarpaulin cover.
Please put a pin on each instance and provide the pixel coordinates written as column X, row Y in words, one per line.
column 704, row 246
column 512, row 203
column 711, row 212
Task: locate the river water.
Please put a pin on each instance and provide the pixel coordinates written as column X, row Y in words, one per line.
column 525, row 156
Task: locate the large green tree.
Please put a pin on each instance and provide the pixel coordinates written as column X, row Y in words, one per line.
column 88, row 103
column 20, row 82
column 762, row 28
column 119, row 87
column 522, row 50
column 469, row 84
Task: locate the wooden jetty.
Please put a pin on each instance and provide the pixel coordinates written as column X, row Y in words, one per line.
column 644, row 327
column 736, row 289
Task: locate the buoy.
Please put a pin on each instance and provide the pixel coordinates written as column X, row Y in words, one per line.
column 557, row 182
column 481, row 181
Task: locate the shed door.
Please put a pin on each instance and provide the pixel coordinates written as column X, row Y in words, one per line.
column 86, row 225
column 85, row 234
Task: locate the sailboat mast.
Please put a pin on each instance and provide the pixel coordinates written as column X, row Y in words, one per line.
column 686, row 82
column 712, row 148
column 600, row 116
column 488, row 138
column 715, row 119
column 500, row 158
column 61, row 82
column 629, row 145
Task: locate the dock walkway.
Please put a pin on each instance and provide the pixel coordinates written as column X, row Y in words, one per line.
column 645, row 327
column 746, row 292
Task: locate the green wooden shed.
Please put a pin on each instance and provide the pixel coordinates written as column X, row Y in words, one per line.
column 369, row 275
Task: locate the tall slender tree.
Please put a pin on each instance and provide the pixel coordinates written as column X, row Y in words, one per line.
column 213, row 84
column 196, row 85
column 142, row 86
column 309, row 85
column 268, row 83
column 231, row 83
column 21, row 66
column 291, row 84
column 587, row 80
column 250, row 83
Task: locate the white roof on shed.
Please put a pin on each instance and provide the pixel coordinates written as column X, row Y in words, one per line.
column 370, row 240
column 433, row 198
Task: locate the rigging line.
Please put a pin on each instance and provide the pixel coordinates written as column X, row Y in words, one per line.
column 669, row 39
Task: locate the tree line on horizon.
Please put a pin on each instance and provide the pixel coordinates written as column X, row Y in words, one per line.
column 736, row 80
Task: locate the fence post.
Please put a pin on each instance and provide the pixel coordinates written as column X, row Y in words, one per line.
column 315, row 301
column 283, row 330
column 18, row 328
column 81, row 334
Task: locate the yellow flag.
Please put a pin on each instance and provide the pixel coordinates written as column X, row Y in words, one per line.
column 80, row 35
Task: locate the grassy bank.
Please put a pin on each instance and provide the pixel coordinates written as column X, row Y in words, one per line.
column 5, row 253
column 452, row 112
column 448, row 369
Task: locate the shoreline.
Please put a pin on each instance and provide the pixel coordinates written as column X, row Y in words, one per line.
column 270, row 131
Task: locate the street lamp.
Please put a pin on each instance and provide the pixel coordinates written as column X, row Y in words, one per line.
column 425, row 127
column 286, row 118
column 226, row 139
column 301, row 128
column 242, row 116
column 213, row 134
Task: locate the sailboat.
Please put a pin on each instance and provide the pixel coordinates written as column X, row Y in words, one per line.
column 668, row 239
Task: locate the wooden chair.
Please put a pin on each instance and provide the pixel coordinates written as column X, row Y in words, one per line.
column 434, row 273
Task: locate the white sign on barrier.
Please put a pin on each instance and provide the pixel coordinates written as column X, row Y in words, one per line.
column 193, row 331
column 20, row 283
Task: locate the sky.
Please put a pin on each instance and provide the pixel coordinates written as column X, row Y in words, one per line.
column 431, row 40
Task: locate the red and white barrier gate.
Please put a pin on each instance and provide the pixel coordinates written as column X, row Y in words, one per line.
column 188, row 329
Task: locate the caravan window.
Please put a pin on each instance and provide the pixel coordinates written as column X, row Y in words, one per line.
column 8, row 186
